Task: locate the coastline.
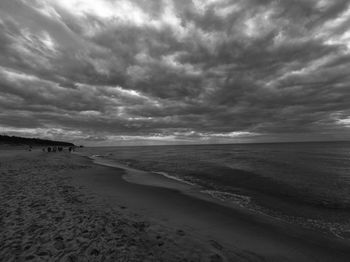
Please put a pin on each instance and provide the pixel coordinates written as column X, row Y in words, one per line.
column 167, row 224
column 278, row 210
column 183, row 204
column 46, row 217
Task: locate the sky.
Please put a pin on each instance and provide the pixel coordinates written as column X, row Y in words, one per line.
column 145, row 72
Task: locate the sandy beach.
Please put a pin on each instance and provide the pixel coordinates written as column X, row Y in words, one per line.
column 63, row 207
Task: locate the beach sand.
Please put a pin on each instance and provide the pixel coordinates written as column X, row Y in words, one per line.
column 63, row 207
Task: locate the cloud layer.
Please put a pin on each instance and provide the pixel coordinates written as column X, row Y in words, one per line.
column 164, row 71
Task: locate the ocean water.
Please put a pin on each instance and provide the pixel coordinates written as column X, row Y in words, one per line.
column 303, row 183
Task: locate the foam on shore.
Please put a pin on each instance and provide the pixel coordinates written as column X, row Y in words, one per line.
column 234, row 200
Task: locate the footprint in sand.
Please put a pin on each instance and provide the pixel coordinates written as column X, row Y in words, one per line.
column 216, row 245
column 30, row 257
column 180, row 232
column 216, row 258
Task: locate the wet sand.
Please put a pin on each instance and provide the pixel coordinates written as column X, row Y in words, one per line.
column 62, row 207
column 175, row 204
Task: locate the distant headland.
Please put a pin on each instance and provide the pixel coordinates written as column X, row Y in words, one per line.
column 15, row 140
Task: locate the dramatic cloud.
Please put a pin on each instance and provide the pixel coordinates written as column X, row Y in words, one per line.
column 108, row 72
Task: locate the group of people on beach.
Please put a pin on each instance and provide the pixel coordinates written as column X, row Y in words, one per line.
column 56, row 149
column 53, row 149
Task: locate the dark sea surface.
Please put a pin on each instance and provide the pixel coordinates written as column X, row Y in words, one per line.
column 303, row 183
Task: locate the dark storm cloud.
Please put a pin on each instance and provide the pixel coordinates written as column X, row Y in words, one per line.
column 175, row 70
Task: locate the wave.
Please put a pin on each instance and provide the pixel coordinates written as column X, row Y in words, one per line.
column 174, row 178
column 212, row 188
column 101, row 156
column 94, row 156
column 228, row 197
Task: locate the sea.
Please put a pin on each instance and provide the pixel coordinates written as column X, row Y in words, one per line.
column 299, row 183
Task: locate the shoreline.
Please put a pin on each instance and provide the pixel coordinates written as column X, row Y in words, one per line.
column 47, row 217
column 251, row 227
column 235, row 201
column 63, row 206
